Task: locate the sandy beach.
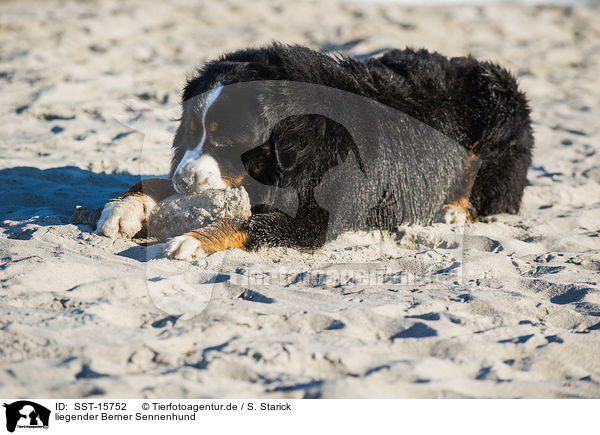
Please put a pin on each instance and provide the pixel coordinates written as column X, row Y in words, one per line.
column 503, row 308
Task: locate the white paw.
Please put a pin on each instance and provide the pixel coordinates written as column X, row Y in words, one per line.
column 183, row 248
column 125, row 217
column 452, row 215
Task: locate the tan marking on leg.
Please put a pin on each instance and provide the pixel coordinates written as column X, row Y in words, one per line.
column 221, row 235
column 464, row 206
column 471, row 169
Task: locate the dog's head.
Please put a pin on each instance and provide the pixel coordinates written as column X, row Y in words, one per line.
column 248, row 121
column 234, row 135
column 216, row 128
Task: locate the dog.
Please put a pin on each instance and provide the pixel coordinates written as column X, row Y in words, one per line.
column 422, row 135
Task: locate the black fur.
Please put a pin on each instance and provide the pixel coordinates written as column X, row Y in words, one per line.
column 477, row 104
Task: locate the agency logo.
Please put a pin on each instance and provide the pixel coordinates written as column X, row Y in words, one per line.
column 25, row 414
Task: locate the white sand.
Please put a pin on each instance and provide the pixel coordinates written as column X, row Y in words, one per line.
column 516, row 313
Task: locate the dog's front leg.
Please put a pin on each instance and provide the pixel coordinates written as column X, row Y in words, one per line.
column 275, row 228
column 127, row 215
column 224, row 234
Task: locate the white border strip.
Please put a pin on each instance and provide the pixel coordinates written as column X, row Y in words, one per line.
column 277, row 416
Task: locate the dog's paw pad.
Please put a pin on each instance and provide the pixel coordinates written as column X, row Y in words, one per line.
column 183, row 248
column 124, row 218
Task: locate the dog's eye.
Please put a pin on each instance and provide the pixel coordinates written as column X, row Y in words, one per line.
column 213, row 126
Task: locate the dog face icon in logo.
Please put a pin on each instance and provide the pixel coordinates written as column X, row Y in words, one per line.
column 25, row 413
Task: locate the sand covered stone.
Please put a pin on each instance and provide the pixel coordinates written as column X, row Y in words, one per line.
column 178, row 214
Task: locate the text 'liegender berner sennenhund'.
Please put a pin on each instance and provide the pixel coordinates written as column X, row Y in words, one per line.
column 325, row 144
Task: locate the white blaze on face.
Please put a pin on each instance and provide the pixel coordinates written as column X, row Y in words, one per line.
column 196, row 171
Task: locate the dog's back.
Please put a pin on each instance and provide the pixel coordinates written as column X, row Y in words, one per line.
column 478, row 104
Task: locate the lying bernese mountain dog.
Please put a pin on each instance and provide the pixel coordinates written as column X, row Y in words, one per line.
column 423, row 134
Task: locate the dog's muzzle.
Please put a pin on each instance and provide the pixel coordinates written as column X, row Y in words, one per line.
column 194, row 175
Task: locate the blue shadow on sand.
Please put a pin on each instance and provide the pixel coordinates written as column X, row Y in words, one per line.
column 51, row 195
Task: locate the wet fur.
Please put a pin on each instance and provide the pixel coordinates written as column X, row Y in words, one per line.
column 477, row 104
